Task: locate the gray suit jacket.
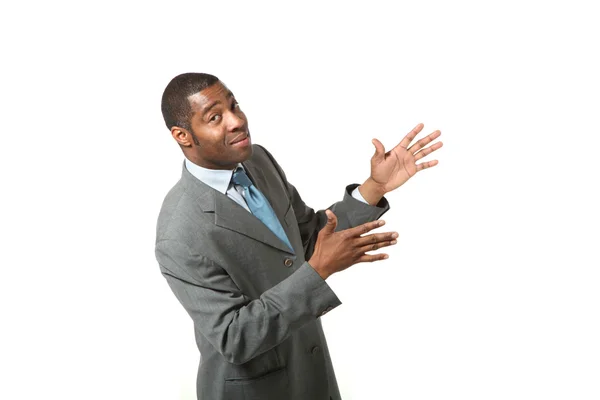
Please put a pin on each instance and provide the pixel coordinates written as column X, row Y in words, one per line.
column 254, row 303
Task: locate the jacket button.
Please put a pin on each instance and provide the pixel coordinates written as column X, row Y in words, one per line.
column 315, row 350
column 288, row 262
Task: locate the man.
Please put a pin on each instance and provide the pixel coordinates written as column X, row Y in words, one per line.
column 234, row 237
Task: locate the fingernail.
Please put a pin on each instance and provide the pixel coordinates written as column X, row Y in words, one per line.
column 381, row 223
column 394, row 235
column 394, row 241
column 386, row 257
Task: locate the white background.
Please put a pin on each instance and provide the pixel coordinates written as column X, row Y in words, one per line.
column 493, row 291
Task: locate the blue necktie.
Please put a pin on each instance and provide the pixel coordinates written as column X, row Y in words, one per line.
column 259, row 205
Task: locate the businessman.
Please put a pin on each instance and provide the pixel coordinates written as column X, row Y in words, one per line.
column 249, row 260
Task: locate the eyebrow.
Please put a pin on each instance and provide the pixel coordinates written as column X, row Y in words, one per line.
column 214, row 103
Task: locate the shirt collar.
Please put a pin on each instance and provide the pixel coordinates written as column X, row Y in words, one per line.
column 218, row 179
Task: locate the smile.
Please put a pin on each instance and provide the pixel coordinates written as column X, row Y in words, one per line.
column 241, row 142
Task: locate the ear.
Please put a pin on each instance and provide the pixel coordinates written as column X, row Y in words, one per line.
column 182, row 136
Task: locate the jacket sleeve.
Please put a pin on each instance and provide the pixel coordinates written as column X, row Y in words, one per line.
column 238, row 327
column 350, row 212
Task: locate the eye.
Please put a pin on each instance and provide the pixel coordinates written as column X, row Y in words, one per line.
column 215, row 118
column 234, row 105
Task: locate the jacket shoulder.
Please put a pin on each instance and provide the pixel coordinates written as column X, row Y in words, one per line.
column 178, row 214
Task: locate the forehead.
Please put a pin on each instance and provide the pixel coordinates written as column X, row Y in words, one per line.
column 205, row 98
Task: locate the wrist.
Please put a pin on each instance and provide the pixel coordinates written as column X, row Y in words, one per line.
column 317, row 267
column 371, row 191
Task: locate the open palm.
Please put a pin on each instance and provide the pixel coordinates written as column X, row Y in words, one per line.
column 392, row 169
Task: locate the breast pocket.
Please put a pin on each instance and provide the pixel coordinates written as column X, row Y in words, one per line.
column 271, row 386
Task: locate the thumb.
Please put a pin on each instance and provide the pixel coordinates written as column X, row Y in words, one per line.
column 331, row 222
column 379, row 150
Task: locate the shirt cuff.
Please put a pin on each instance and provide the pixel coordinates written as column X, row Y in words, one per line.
column 356, row 194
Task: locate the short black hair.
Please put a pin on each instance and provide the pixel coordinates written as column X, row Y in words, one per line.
column 175, row 105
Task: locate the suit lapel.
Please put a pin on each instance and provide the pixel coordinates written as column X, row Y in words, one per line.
column 230, row 215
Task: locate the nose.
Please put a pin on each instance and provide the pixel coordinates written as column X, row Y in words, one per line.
column 236, row 121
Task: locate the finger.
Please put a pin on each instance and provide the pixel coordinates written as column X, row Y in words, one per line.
column 372, row 257
column 426, row 164
column 378, row 245
column 379, row 149
column 375, row 238
column 331, row 222
column 410, row 136
column 364, row 228
column 417, row 146
column 428, row 150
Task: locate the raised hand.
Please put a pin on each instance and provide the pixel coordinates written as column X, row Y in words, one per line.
column 392, row 169
column 336, row 251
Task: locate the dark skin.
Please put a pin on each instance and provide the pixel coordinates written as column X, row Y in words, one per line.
column 217, row 121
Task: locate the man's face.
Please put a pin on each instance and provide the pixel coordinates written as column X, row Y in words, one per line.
column 220, row 127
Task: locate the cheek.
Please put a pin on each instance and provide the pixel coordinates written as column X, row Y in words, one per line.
column 210, row 137
column 214, row 143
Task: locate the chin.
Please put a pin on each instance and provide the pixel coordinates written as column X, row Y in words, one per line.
column 249, row 152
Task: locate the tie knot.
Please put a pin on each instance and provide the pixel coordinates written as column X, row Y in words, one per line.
column 240, row 178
